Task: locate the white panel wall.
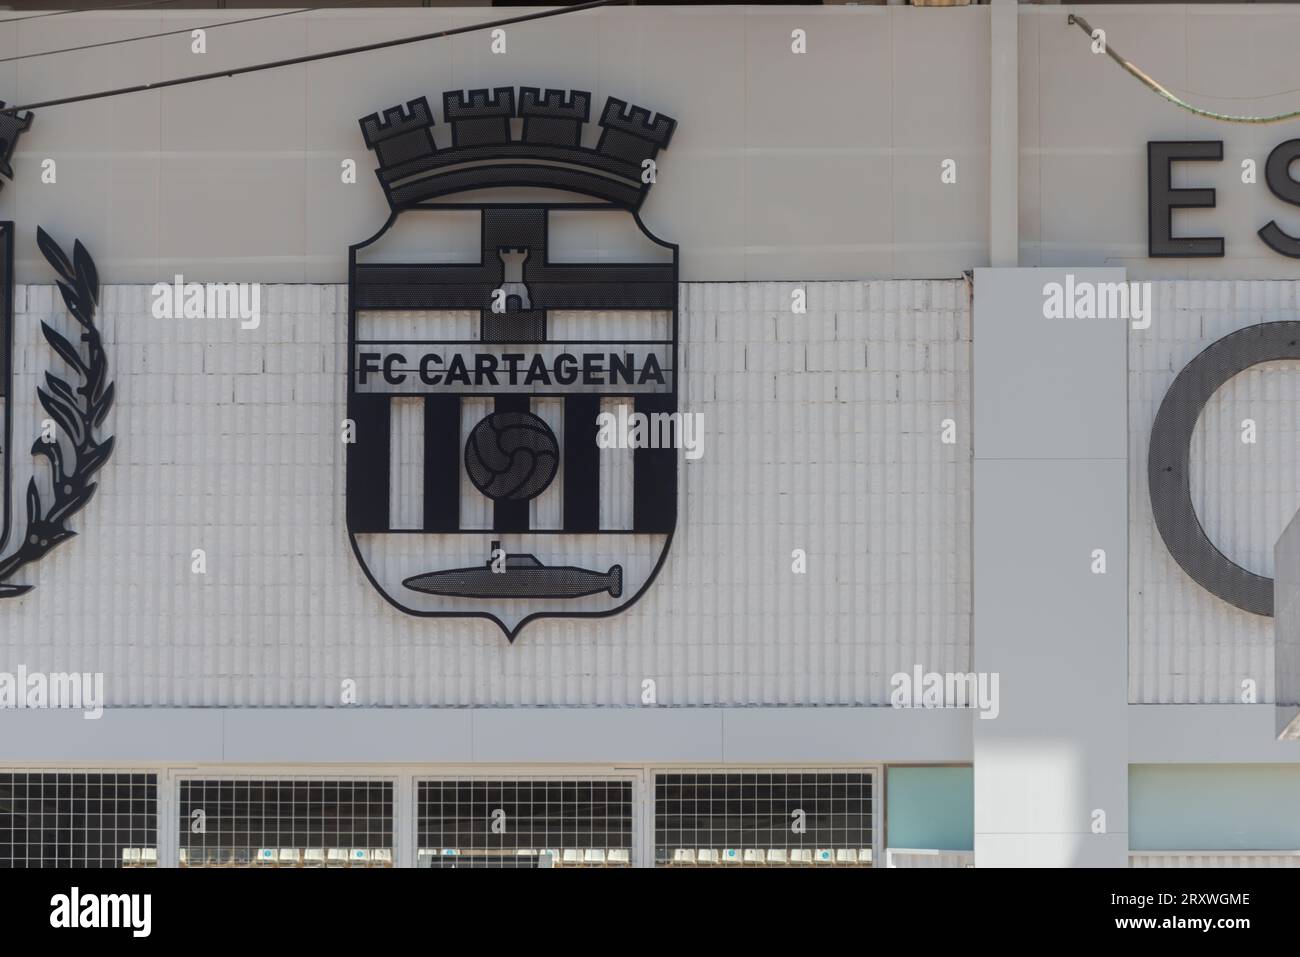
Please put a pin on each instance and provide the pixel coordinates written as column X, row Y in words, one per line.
column 821, row 433
column 1185, row 645
column 820, row 165
column 1085, row 124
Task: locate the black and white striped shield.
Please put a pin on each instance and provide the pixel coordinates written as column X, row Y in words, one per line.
column 513, row 423
column 490, row 468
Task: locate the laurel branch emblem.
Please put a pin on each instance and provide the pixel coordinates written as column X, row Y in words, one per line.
column 77, row 412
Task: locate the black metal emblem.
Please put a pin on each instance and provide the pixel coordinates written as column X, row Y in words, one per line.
column 12, row 126
column 74, row 452
column 475, row 482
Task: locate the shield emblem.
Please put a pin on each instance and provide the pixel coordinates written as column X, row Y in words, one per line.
column 486, row 476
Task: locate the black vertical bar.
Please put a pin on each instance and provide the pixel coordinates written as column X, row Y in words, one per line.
column 368, row 464
column 6, row 371
column 6, row 305
column 654, row 482
column 442, row 460
column 511, row 516
column 581, row 464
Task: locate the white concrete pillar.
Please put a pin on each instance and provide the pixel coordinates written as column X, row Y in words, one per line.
column 1004, row 134
column 1051, row 504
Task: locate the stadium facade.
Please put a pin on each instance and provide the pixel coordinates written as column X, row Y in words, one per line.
column 978, row 554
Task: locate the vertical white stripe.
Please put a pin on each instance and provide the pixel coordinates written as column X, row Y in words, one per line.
column 547, row 510
column 617, row 475
column 475, row 507
column 406, row 464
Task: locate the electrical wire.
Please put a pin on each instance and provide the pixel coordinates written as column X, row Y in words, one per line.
column 1220, row 96
column 111, row 6
column 183, row 30
column 1162, row 91
column 167, row 33
column 309, row 58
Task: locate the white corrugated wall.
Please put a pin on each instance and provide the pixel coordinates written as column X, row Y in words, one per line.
column 1186, row 645
column 822, row 434
column 1214, row 859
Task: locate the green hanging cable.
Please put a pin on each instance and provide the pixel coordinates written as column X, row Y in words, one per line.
column 1151, row 84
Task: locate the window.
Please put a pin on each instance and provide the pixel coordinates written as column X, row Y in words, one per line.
column 285, row 822
column 524, row 823
column 78, row 819
column 763, row 818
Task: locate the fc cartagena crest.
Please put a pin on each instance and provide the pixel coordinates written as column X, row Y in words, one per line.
column 475, row 483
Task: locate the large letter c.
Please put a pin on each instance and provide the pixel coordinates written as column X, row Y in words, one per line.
column 1168, row 469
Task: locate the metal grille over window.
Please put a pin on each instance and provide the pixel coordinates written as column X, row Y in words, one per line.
column 763, row 819
column 524, row 823
column 285, row 822
column 78, row 819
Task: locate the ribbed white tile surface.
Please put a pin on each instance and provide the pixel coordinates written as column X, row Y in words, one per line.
column 821, row 433
column 1213, row 859
column 1185, row 645
column 406, row 463
column 913, row 857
